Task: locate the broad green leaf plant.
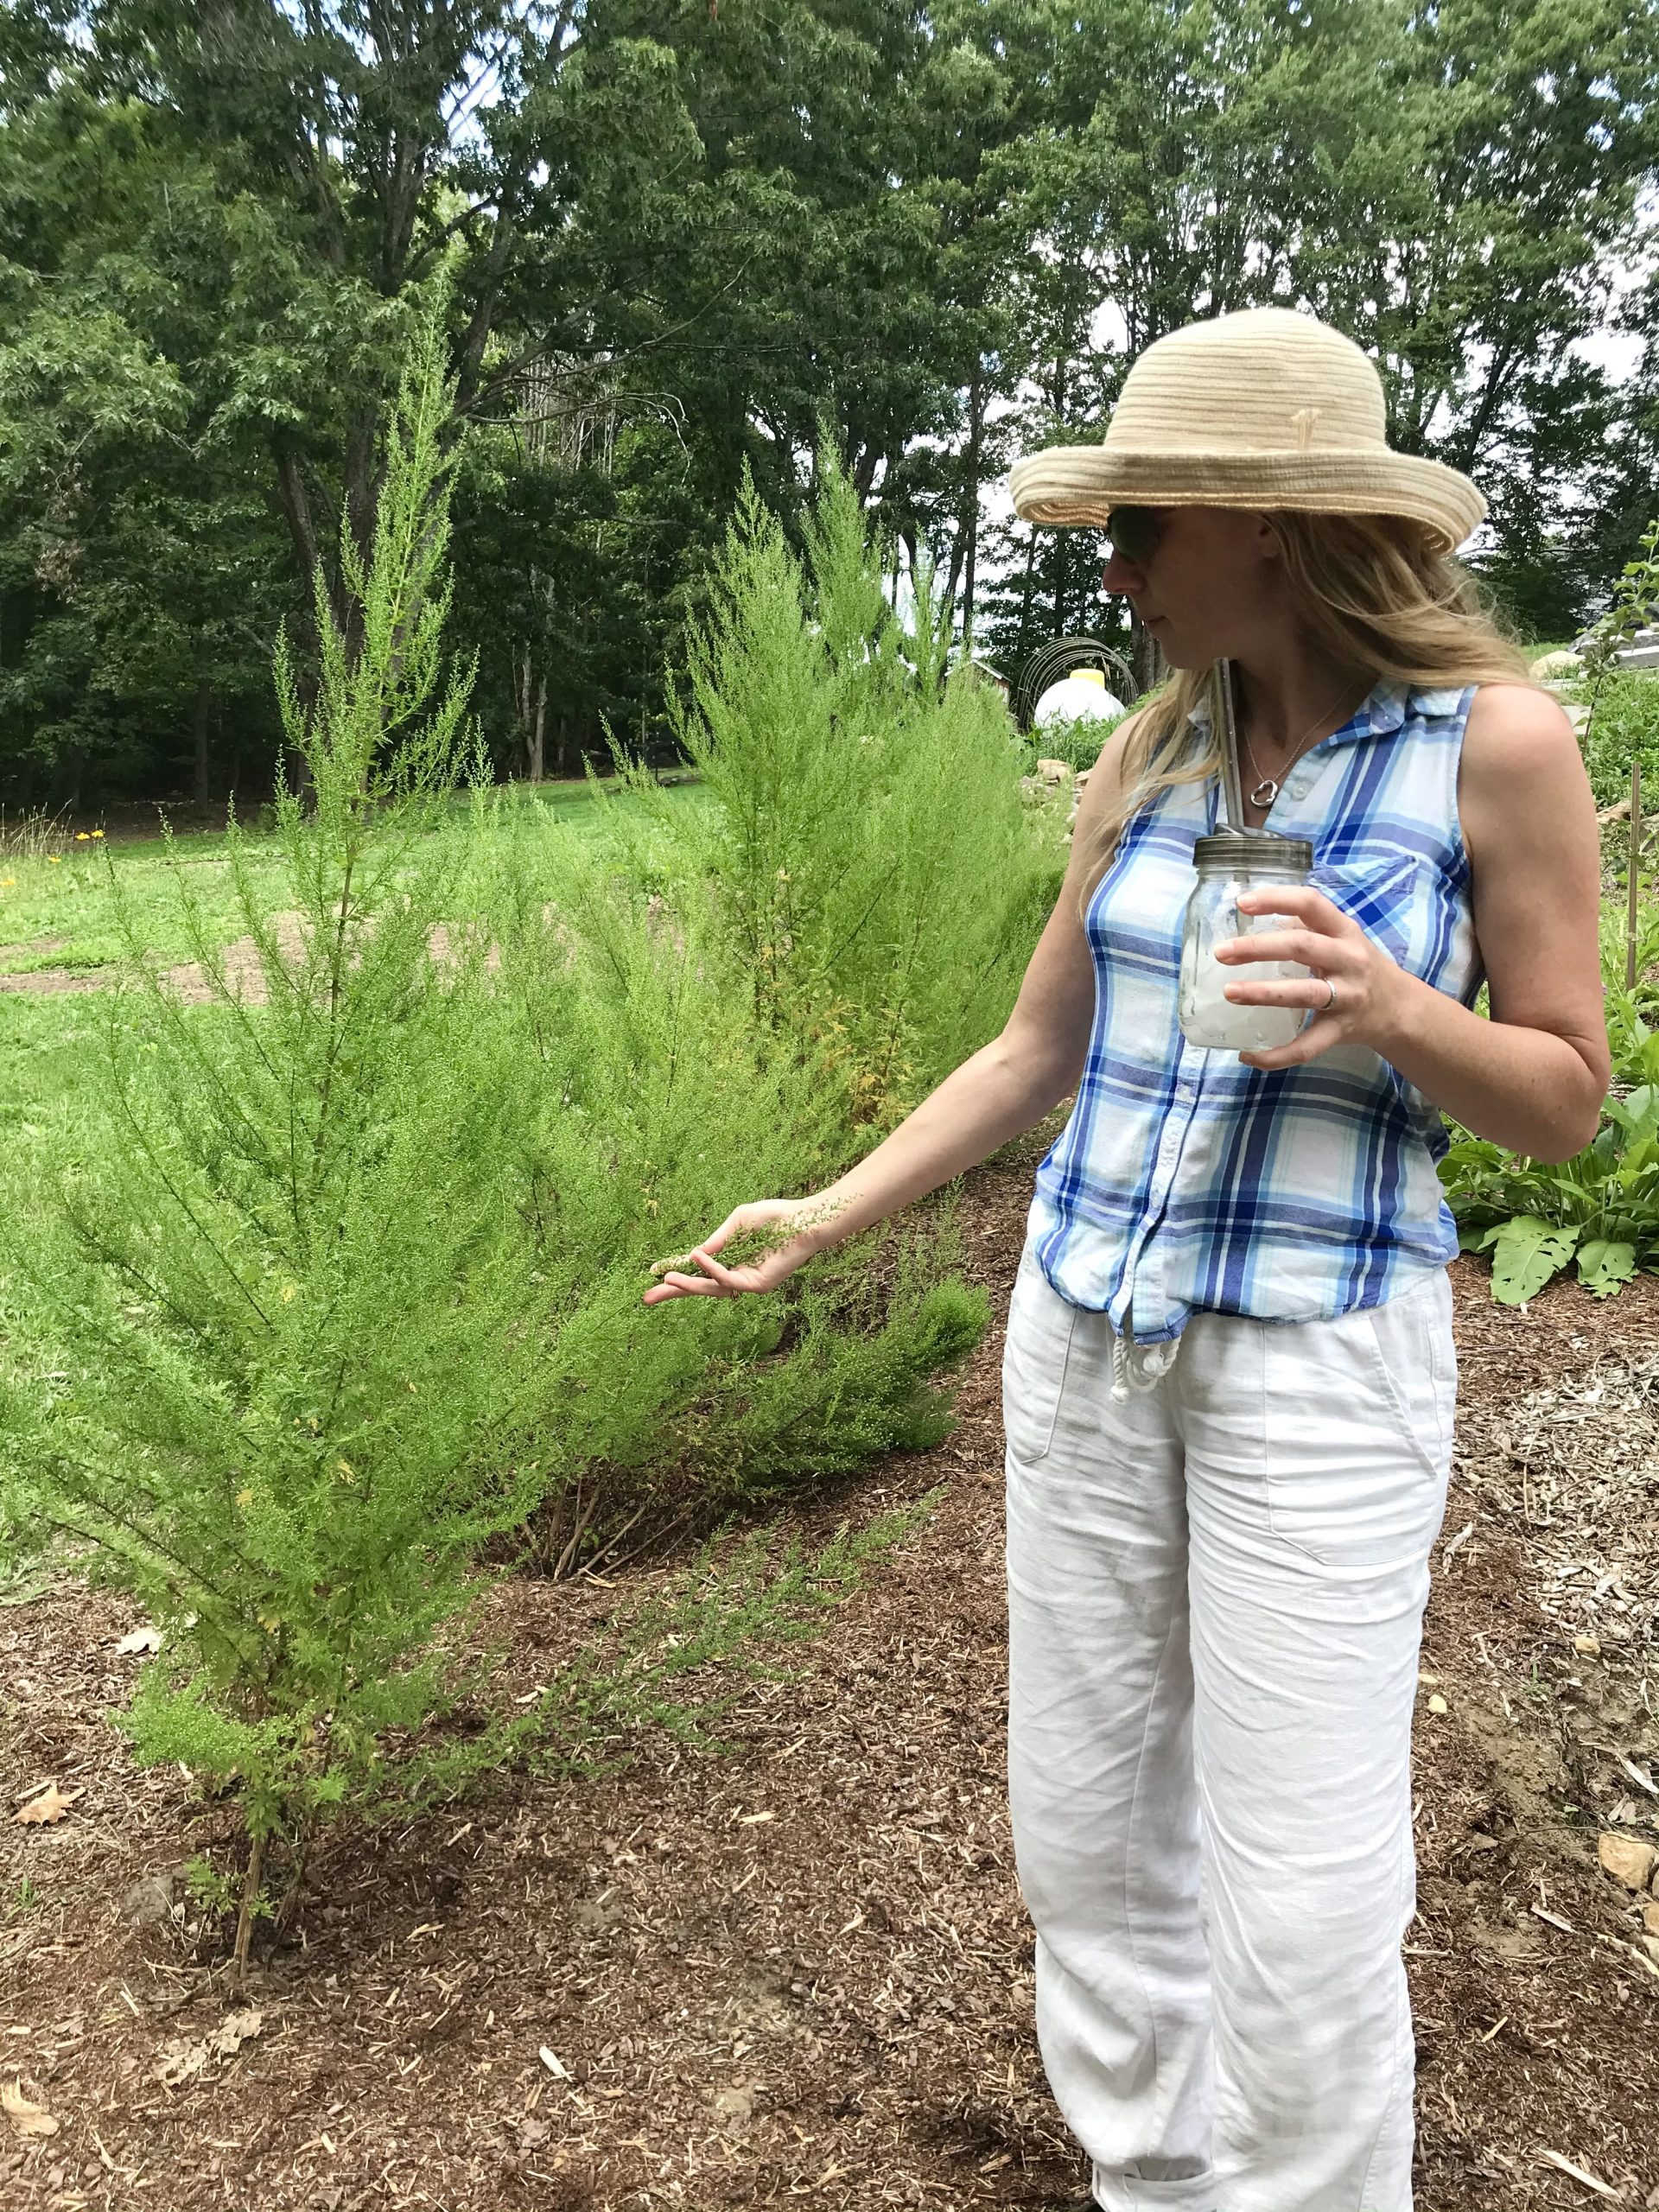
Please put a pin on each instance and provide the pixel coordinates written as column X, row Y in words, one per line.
column 1598, row 1212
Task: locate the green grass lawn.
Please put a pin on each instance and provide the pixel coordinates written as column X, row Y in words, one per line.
column 58, row 910
column 58, row 906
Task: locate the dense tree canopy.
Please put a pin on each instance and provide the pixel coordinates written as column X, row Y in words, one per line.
column 686, row 238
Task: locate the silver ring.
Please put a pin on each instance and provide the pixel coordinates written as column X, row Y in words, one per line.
column 1330, row 1004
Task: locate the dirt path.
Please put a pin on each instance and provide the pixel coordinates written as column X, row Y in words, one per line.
column 801, row 1971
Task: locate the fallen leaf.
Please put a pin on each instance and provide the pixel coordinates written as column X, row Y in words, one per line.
column 1627, row 1858
column 181, row 2060
column 28, row 2119
column 733, row 2109
column 555, row 2064
column 139, row 1639
column 749, row 1820
column 1565, row 2165
column 1588, row 1647
column 1438, row 1704
column 51, row 1805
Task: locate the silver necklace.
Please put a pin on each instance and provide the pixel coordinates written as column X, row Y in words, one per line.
column 1267, row 788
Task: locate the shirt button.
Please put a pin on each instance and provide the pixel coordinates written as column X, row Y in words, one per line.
column 1296, row 790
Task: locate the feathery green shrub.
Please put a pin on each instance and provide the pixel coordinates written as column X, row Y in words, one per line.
column 878, row 878
column 339, row 1280
column 1077, row 742
column 1623, row 703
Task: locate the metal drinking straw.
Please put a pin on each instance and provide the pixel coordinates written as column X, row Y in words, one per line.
column 1227, row 739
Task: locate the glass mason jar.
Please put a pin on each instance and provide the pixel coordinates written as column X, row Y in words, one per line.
column 1228, row 864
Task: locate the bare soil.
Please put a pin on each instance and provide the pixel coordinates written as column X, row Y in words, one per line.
column 802, row 1970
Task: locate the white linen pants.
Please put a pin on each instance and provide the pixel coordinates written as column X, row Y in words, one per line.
column 1215, row 1590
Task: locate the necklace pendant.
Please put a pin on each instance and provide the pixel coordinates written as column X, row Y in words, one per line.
column 1265, row 792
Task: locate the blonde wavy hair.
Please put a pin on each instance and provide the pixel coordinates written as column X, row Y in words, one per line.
column 1371, row 592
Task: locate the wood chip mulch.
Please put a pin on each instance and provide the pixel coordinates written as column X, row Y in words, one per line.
column 800, row 1971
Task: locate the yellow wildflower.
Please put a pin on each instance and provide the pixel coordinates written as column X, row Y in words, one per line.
column 290, row 1292
column 82, row 836
column 55, row 859
column 245, row 1499
column 98, row 833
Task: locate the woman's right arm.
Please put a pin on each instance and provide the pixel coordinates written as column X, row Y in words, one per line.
column 1006, row 1088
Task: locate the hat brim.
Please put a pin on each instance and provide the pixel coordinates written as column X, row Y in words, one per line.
column 1075, row 486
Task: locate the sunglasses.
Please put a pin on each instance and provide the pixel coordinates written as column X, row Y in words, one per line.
column 1134, row 532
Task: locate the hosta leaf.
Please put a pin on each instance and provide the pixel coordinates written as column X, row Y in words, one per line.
column 1637, row 1115
column 1526, row 1252
column 1606, row 1265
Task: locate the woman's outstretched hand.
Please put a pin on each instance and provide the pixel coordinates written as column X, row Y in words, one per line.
column 765, row 1225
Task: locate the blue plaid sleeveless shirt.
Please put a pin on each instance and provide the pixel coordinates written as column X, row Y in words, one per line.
column 1185, row 1182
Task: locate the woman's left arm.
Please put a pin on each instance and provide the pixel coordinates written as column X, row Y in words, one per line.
column 1534, row 1077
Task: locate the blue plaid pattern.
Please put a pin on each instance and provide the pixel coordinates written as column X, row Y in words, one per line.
column 1185, row 1182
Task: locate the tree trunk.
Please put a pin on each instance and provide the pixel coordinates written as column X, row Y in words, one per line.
column 538, row 733
column 976, row 439
column 1026, row 591
column 296, row 509
column 200, row 722
column 967, row 538
column 252, row 1883
column 530, row 700
column 907, row 539
column 1146, row 655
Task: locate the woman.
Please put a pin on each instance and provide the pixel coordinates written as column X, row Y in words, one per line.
column 1229, row 1376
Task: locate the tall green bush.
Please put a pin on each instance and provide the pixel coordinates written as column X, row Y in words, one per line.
column 342, row 1282
column 278, row 1314
column 1622, row 725
column 878, row 878
column 1624, row 728
column 649, row 1103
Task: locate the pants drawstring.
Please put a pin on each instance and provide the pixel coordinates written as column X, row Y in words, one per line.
column 1138, row 1367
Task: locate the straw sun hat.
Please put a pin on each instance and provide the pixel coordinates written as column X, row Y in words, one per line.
column 1262, row 409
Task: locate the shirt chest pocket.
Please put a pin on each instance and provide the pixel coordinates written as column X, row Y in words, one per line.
column 1394, row 901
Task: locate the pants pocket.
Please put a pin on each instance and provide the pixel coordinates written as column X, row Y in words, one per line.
column 1357, row 1425
column 1035, row 1354
column 1418, row 1361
